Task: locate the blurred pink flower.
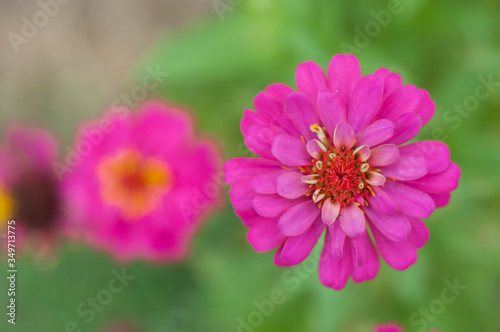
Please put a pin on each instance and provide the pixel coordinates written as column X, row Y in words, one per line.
column 143, row 184
column 29, row 189
column 392, row 328
column 331, row 158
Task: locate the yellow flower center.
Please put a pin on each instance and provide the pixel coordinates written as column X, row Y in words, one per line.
column 132, row 183
column 6, row 206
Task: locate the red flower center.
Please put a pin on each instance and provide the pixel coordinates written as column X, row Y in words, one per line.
column 341, row 176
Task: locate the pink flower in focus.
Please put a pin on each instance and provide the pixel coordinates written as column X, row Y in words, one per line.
column 392, row 328
column 331, row 158
column 145, row 186
column 29, row 189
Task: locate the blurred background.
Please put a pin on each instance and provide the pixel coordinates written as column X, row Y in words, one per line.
column 218, row 55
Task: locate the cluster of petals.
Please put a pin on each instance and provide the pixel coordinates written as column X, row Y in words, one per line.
column 332, row 160
column 392, row 328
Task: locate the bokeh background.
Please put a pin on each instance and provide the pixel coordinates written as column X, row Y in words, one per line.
column 219, row 55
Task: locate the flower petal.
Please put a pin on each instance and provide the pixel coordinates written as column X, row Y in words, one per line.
column 441, row 200
column 368, row 269
column 376, row 133
column 265, row 183
column 331, row 109
column 352, row 220
column 248, row 217
column 395, row 227
column 239, row 169
column 310, row 78
column 334, row 273
column 315, row 148
column 436, row 153
column 405, row 99
column 419, row 233
column 407, row 126
column 279, row 91
column 297, row 248
column 363, row 152
column 299, row 218
column 334, row 240
column 301, row 113
column 343, row 136
column 242, row 195
column 382, row 202
column 409, row 166
column 274, row 205
column 289, row 185
column 375, row 178
column 290, row 151
column 439, row 183
column 270, row 108
column 329, row 211
column 398, row 255
column 365, row 102
column 428, row 108
column 265, row 235
column 259, row 140
column 343, row 74
column 250, row 119
column 410, row 201
column 383, row 155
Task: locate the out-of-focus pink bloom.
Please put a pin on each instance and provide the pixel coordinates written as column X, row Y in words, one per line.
column 29, row 189
column 331, row 157
column 121, row 328
column 144, row 186
column 392, row 328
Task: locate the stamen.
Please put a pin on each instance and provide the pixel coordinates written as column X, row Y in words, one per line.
column 365, row 167
column 319, row 164
column 332, row 155
column 310, row 179
column 315, row 128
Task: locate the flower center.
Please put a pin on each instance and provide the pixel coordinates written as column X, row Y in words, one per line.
column 132, row 183
column 341, row 176
column 6, row 206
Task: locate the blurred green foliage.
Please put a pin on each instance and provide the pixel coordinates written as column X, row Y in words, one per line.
column 216, row 68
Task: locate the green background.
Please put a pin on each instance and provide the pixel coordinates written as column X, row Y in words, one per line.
column 216, row 66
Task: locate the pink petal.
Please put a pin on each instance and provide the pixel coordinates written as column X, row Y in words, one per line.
column 331, row 109
column 250, row 119
column 375, row 178
column 248, row 217
column 383, row 155
column 299, row 218
column 363, row 152
column 329, row 211
column 343, row 74
column 410, row 201
column 289, row 185
column 436, row 153
column 314, row 148
column 343, row 136
column 352, row 220
column 441, row 200
column 239, row 169
column 399, row 255
column 334, row 240
column 279, row 91
column 391, row 84
column 274, row 205
column 395, row 227
column 242, row 195
column 427, row 109
column 382, row 202
column 259, row 140
column 265, row 235
column 388, row 328
column 439, row 183
column 297, row 248
column 334, row 273
column 376, row 133
column 368, row 270
column 270, row 108
column 409, row 166
column 310, row 78
column 365, row 102
column 265, row 183
column 407, row 126
column 278, row 260
column 301, row 113
column 405, row 99
column 420, row 233
column 290, row 151
column 382, row 73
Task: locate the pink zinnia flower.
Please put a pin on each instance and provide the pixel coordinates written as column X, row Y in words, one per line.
column 331, row 158
column 145, row 186
column 392, row 328
column 29, row 189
